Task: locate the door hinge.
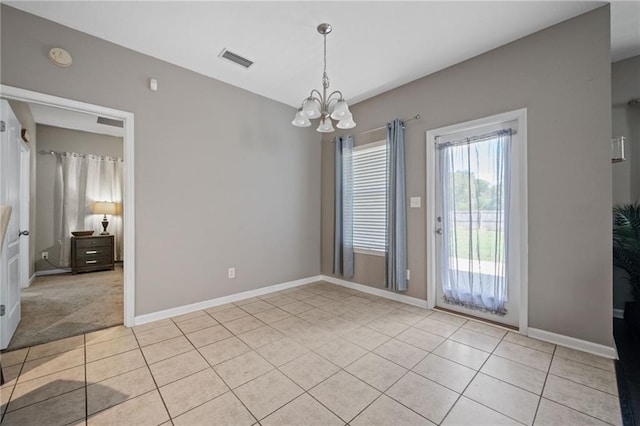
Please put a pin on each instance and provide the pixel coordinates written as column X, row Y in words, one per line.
column 2, row 310
column 3, row 126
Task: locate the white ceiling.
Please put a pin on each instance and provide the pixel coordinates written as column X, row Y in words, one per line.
column 625, row 29
column 375, row 46
column 66, row 119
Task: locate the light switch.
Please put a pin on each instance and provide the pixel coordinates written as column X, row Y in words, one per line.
column 415, row 202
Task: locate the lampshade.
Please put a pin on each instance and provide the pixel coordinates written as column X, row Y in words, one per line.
column 310, row 108
column 346, row 123
column 341, row 110
column 301, row 120
column 105, row 207
column 326, row 126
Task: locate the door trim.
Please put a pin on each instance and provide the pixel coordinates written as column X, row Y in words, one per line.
column 25, row 202
column 521, row 116
column 23, row 95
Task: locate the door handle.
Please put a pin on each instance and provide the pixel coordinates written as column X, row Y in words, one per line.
column 21, row 233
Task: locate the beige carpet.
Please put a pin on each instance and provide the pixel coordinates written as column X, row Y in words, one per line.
column 59, row 306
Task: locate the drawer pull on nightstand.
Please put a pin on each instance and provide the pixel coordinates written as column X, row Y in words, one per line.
column 92, row 251
column 91, row 261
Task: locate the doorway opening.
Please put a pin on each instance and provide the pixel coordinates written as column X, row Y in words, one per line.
column 85, row 177
column 477, row 226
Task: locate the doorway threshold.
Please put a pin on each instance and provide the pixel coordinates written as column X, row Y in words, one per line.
column 471, row 317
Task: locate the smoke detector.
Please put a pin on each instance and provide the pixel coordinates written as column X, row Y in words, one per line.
column 60, row 57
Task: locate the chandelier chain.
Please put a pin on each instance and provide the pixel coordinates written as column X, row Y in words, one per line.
column 325, row 77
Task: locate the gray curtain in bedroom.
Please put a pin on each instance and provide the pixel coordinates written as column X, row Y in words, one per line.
column 396, row 254
column 343, row 229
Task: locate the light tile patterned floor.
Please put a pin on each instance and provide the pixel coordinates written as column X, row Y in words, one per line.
column 317, row 354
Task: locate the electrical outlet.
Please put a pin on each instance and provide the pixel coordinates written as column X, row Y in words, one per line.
column 408, row 274
column 231, row 273
column 45, row 255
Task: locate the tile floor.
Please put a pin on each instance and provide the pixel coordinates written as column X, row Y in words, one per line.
column 318, row 354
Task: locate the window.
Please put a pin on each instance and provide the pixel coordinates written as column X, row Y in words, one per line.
column 369, row 198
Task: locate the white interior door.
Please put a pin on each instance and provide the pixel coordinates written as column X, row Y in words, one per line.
column 477, row 222
column 13, row 192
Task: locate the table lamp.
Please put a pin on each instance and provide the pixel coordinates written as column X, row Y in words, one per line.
column 105, row 208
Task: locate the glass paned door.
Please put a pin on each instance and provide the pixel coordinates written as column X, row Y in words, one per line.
column 474, row 217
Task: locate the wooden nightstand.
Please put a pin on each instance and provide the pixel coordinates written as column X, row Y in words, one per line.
column 93, row 253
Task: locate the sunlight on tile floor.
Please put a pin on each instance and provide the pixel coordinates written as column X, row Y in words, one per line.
column 317, row 354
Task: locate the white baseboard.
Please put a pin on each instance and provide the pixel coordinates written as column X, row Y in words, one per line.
column 198, row 306
column 29, row 281
column 377, row 291
column 573, row 343
column 53, row 272
column 618, row 313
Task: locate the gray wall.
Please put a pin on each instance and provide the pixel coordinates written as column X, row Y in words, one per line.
column 625, row 85
column 64, row 140
column 24, row 116
column 562, row 76
column 222, row 178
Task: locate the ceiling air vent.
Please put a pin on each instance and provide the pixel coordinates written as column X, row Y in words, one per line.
column 234, row 57
column 110, row 122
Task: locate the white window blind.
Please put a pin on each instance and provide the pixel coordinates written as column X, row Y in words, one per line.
column 369, row 196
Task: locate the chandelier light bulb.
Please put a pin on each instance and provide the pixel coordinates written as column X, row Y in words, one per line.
column 325, row 126
column 310, row 108
column 346, row 123
column 301, row 120
column 341, row 110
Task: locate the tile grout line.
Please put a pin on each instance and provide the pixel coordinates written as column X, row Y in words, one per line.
column 152, row 377
column 6, row 408
column 582, row 384
column 577, row 411
column 544, row 385
column 224, row 381
column 405, row 374
column 471, row 381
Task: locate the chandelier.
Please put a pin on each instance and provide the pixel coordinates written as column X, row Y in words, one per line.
column 319, row 105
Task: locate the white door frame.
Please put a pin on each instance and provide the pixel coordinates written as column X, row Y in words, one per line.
column 23, row 95
column 25, row 199
column 521, row 116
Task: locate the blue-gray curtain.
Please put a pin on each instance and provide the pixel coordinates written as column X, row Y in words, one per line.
column 396, row 254
column 343, row 229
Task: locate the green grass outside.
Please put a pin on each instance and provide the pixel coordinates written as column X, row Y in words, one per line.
column 485, row 238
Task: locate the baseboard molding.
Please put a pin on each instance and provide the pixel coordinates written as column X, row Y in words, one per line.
column 618, row 313
column 376, row 291
column 52, row 272
column 181, row 310
column 29, row 281
column 573, row 343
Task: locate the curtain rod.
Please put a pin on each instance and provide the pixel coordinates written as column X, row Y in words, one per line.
column 415, row 117
column 479, row 138
column 77, row 154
